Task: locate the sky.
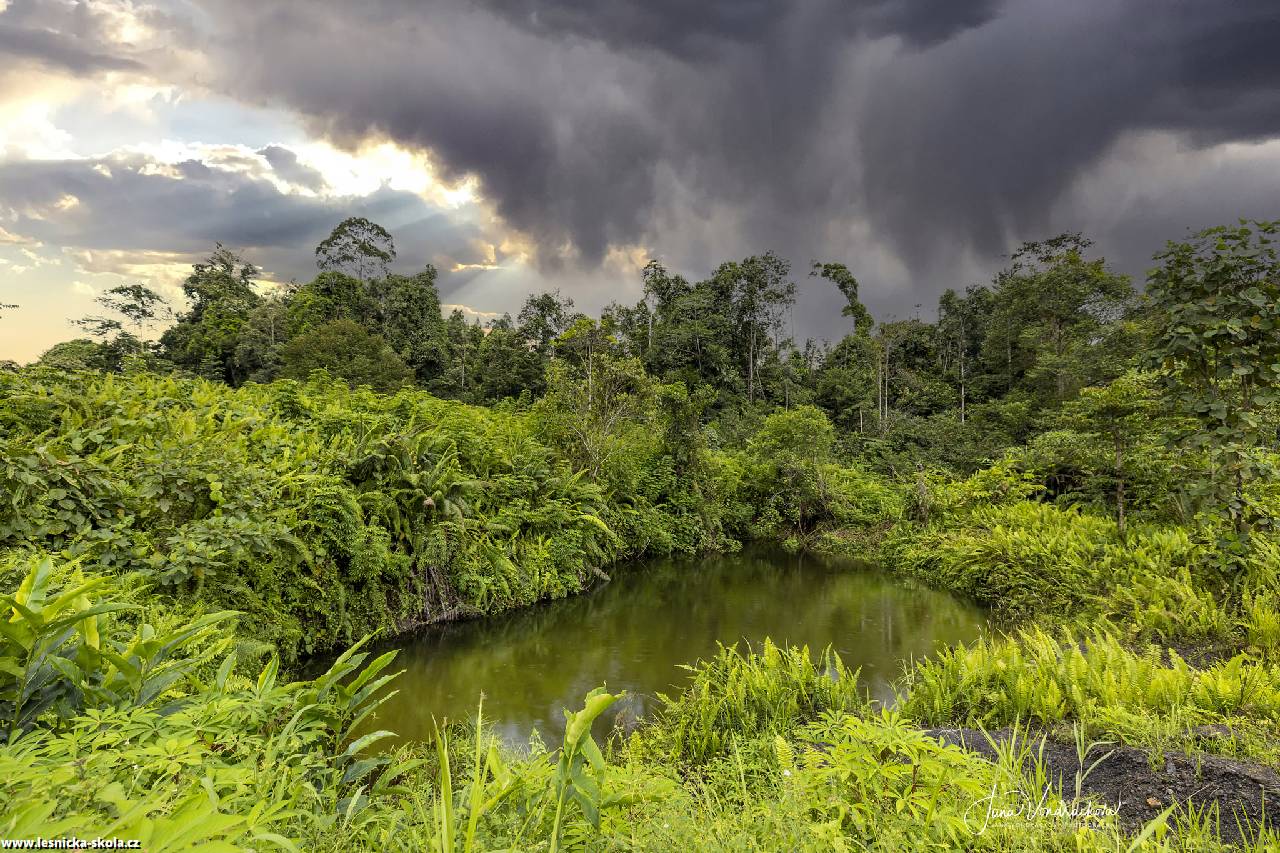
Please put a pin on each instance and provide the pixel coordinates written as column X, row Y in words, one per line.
column 530, row 145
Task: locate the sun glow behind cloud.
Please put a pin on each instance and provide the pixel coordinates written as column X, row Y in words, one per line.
column 366, row 170
column 147, row 123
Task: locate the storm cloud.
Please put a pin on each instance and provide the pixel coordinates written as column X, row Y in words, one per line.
column 68, row 36
column 131, row 205
column 916, row 140
column 908, row 134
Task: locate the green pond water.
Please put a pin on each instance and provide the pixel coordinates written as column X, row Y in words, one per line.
column 633, row 633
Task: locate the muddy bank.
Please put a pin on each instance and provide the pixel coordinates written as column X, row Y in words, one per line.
column 1245, row 794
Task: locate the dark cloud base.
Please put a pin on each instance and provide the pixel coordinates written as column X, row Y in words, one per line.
column 916, row 140
column 132, row 204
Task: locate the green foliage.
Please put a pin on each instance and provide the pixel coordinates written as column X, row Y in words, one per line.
column 358, row 246
column 221, row 294
column 58, row 659
column 1093, row 679
column 1216, row 304
column 345, row 350
column 1113, row 421
column 839, row 275
column 856, row 771
column 1014, row 559
column 1051, row 307
column 50, row 639
column 792, row 480
column 746, row 695
column 137, row 513
column 580, row 763
column 347, row 512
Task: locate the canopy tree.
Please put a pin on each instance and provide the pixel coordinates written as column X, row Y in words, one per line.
column 1049, row 309
column 358, row 247
column 221, row 293
column 839, row 275
column 1216, row 343
column 345, row 349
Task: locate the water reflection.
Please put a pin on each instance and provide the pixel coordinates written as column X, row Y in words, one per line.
column 633, row 633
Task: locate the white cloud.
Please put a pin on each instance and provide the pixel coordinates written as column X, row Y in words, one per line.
column 27, row 130
column 16, row 239
column 470, row 313
column 364, row 171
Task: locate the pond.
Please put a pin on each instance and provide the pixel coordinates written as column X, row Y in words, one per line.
column 633, row 633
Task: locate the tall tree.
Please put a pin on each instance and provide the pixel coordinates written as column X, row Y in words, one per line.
column 839, row 275
column 464, row 341
column 961, row 323
column 1216, row 343
column 137, row 303
column 582, row 344
column 760, row 293
column 505, row 365
column 1050, row 307
column 262, row 335
column 543, row 317
column 346, row 350
column 1116, row 418
column 409, row 319
column 221, row 293
column 357, row 247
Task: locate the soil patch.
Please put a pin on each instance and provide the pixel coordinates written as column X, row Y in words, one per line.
column 1200, row 655
column 1244, row 793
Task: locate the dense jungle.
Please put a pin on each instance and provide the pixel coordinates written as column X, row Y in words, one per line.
column 220, row 520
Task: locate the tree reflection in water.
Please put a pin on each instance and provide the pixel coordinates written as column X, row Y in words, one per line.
column 633, row 633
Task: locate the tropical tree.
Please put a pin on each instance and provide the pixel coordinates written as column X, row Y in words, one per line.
column 409, row 319
column 589, row 419
column 760, row 293
column 839, row 275
column 1216, row 342
column 582, row 343
column 463, row 341
column 961, row 323
column 221, row 292
column 357, row 247
column 543, row 317
column 505, row 365
column 1114, row 420
column 346, row 350
column 1049, row 310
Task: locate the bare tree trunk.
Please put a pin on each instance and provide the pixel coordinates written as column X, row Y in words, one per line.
column 1120, row 489
column 1008, row 359
column 884, row 423
column 879, row 395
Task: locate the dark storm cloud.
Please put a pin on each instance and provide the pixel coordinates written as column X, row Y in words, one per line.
column 67, row 36
column 54, row 49
column 973, row 142
column 693, row 31
column 285, row 164
column 934, row 126
column 130, row 203
column 906, row 137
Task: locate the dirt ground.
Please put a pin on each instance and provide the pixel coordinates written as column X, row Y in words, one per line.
column 1245, row 794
